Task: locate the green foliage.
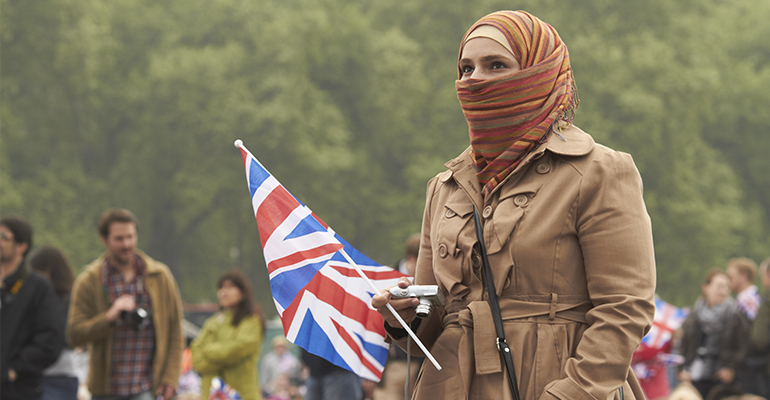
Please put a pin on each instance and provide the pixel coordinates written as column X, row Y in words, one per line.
column 351, row 104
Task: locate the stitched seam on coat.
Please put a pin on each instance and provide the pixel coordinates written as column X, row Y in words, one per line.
column 571, row 215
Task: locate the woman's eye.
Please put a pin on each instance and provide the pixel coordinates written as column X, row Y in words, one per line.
column 467, row 69
column 498, row 65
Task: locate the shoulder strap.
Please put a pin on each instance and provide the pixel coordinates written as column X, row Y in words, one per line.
column 502, row 345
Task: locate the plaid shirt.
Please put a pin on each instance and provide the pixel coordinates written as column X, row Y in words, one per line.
column 132, row 350
column 748, row 302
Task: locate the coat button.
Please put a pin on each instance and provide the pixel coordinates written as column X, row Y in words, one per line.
column 476, row 260
column 487, row 212
column 543, row 168
column 520, row 200
column 450, row 213
column 442, row 250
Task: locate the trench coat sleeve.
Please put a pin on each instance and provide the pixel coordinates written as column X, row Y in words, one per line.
column 429, row 328
column 760, row 329
column 86, row 323
column 615, row 236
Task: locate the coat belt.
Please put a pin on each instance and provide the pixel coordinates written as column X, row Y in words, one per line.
column 475, row 319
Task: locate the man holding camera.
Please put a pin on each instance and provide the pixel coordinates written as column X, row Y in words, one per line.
column 127, row 307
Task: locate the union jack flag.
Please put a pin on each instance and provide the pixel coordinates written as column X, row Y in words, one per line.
column 666, row 321
column 219, row 390
column 324, row 305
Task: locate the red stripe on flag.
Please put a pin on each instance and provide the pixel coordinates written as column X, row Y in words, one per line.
column 299, row 256
column 373, row 275
column 353, row 345
column 244, row 155
column 330, row 292
column 273, row 211
column 320, row 221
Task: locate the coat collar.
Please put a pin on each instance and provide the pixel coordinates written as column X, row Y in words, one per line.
column 565, row 140
column 569, row 140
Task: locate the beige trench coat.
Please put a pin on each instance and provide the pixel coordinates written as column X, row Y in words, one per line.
column 570, row 245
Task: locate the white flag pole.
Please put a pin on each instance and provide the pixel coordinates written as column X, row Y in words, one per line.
column 239, row 144
column 393, row 311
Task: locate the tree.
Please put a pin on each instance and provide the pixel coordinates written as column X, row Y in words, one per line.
column 352, row 106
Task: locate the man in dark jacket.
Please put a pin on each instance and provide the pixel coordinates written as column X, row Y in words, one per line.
column 28, row 332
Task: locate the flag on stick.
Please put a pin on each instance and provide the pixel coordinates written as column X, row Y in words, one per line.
column 324, row 305
column 667, row 320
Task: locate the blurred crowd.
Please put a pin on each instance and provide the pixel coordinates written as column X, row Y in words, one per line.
column 113, row 333
column 717, row 349
column 117, row 331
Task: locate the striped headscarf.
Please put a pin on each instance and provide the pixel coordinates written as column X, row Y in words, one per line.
column 508, row 116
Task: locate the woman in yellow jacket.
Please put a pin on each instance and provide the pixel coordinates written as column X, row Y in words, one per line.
column 229, row 343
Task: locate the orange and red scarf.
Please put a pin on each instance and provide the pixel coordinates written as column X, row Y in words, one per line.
column 508, row 116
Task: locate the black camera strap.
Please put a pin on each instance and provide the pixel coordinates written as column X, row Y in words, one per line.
column 502, row 345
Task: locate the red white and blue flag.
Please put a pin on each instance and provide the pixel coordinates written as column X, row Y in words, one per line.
column 219, row 390
column 667, row 320
column 324, row 305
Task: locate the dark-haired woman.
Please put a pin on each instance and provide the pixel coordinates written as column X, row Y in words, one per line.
column 59, row 380
column 229, row 343
column 567, row 235
column 712, row 336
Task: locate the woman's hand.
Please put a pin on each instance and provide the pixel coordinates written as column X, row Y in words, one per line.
column 404, row 307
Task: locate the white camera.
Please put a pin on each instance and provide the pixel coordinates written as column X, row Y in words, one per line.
column 428, row 295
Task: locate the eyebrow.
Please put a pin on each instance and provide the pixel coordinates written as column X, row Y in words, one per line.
column 491, row 57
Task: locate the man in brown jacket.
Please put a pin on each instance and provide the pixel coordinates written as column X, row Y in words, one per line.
column 126, row 307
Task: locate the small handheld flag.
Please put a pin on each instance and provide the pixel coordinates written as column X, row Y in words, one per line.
column 322, row 286
column 667, row 320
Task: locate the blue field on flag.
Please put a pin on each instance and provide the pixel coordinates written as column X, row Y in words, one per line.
column 324, row 305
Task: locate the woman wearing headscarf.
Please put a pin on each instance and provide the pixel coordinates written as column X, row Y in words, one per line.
column 566, row 230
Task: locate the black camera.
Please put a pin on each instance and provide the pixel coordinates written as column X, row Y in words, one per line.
column 137, row 318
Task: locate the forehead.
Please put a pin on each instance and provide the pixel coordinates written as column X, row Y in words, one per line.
column 122, row 229
column 228, row 283
column 479, row 47
column 720, row 279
